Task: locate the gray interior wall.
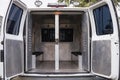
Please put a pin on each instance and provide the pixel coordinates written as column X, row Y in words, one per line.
column 28, row 41
column 14, row 57
column 49, row 47
column 85, row 43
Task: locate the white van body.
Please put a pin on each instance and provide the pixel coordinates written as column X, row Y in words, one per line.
column 61, row 43
column 118, row 11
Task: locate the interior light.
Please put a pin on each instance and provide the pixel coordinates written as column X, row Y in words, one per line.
column 38, row 3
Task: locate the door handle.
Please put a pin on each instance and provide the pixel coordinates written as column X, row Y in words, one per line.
column 116, row 42
column 2, row 42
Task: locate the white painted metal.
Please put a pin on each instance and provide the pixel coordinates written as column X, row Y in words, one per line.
column 60, row 75
column 33, row 61
column 13, row 37
column 112, row 37
column 57, row 42
column 56, row 57
column 80, row 62
column 1, row 63
column 3, row 4
column 1, row 69
column 31, row 3
column 118, row 12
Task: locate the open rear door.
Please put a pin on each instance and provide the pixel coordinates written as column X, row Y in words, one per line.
column 13, row 40
column 105, row 40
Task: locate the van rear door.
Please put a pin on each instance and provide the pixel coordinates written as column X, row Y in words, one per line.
column 13, row 40
column 105, row 40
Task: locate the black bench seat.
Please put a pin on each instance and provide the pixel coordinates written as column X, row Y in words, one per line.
column 37, row 53
column 76, row 53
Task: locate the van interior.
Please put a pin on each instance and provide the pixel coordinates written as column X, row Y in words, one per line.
column 73, row 41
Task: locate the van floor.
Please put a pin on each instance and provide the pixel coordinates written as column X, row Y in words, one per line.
column 49, row 67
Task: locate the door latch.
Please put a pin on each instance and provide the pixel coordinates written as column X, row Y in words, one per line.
column 56, row 41
column 116, row 43
column 2, row 42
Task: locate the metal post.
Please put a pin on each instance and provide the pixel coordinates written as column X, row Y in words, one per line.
column 56, row 42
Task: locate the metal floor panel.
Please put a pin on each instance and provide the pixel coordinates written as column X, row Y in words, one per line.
column 61, row 78
column 49, row 67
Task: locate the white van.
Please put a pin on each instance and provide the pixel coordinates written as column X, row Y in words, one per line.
column 58, row 43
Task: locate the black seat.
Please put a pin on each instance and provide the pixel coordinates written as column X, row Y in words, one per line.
column 76, row 53
column 37, row 53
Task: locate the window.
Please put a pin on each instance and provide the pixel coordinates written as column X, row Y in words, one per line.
column 14, row 19
column 48, row 35
column 103, row 20
column 66, row 35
